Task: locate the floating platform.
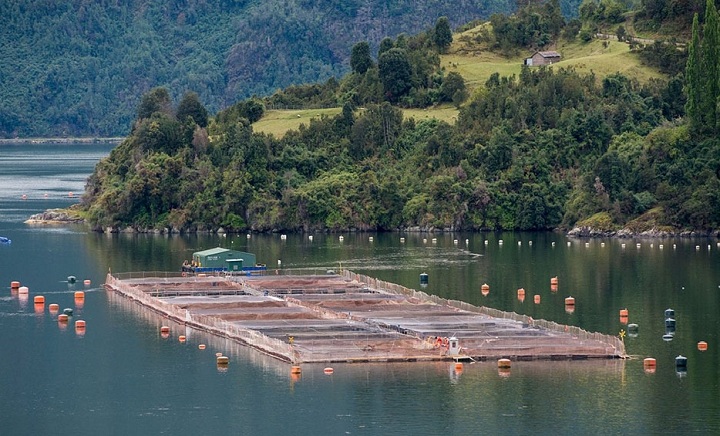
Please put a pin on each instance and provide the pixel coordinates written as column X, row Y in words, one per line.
column 355, row 318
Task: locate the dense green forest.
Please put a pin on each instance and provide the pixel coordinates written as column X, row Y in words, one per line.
column 544, row 149
column 78, row 67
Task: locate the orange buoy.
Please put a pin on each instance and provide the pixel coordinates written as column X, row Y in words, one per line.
column 624, row 313
column 485, row 289
column 39, row 299
column 201, row 346
column 702, row 346
column 80, row 324
column 458, row 366
column 521, row 294
column 63, row 317
column 181, row 338
column 87, row 282
column 623, row 319
column 570, row 301
column 650, row 365
column 164, row 329
column 79, row 295
column 222, row 360
column 23, row 290
column 295, row 369
column 14, row 285
column 54, row 308
column 554, row 281
column 328, row 370
column 39, row 308
column 553, row 288
column 537, row 299
column 504, row 363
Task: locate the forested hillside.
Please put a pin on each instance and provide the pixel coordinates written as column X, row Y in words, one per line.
column 78, row 68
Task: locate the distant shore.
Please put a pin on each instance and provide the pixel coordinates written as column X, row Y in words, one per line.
column 61, row 140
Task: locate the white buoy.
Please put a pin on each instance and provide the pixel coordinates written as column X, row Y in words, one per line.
column 370, row 239
column 552, row 243
column 487, row 242
column 602, row 244
column 661, row 246
column 248, row 235
column 467, row 242
column 455, row 241
column 697, row 247
column 283, row 237
column 587, row 244
column 674, row 246
column 424, row 240
column 279, row 262
column 402, row 240
column 529, row 242
column 342, row 238
column 622, row 245
column 637, row 245
column 519, row 243
column 652, row 245
column 434, row 240
column 569, row 243
column 310, row 238
column 500, row 242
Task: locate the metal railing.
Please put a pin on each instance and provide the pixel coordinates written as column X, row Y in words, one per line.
column 611, row 341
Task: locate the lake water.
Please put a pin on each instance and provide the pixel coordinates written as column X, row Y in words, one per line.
column 121, row 377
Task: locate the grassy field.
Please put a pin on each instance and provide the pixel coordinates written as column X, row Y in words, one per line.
column 277, row 122
column 476, row 63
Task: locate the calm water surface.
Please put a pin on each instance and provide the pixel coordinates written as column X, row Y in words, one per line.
column 122, row 378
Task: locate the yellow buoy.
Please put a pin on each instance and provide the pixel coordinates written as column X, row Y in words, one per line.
column 504, row 363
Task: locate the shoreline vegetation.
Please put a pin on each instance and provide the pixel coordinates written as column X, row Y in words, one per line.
column 72, row 216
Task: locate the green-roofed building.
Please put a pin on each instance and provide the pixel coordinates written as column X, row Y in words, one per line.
column 223, row 258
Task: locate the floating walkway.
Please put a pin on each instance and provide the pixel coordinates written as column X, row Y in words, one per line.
column 354, row 318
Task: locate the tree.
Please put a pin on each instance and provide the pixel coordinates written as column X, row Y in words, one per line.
column 395, row 73
column 360, row 60
column 442, row 37
column 385, row 45
column 692, row 75
column 710, row 73
column 452, row 84
column 190, row 106
column 155, row 100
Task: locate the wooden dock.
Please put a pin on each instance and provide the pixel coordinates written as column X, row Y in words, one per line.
column 354, row 318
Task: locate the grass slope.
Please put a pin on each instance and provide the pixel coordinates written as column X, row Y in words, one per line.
column 470, row 57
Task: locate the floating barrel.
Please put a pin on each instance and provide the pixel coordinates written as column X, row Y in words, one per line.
column 681, row 362
column 328, row 370
column 63, row 317
column 650, row 364
column 14, row 285
column 667, row 337
column 222, row 360
column 702, row 346
column 87, row 282
column 423, row 279
column 485, row 289
column 570, row 301
column 670, row 323
column 68, row 311
column 164, row 329
column 520, row 292
column 624, row 313
column 536, row 298
column 181, row 338
column 554, row 281
column 633, row 328
column 504, row 363
column 201, row 346
column 54, row 308
column 80, row 324
column 295, row 369
column 79, row 295
column 23, row 290
column 39, row 299
column 458, row 366
column 71, row 279
column 669, row 313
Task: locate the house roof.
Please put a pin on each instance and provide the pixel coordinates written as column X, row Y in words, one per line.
column 548, row 54
column 211, row 251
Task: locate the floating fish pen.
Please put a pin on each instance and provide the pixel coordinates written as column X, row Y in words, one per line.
column 349, row 317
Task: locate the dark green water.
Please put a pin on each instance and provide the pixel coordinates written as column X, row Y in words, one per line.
column 122, row 378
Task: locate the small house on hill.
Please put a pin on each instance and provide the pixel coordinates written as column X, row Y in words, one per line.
column 221, row 258
column 543, row 58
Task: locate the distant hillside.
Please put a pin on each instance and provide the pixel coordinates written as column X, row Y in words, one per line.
column 78, row 68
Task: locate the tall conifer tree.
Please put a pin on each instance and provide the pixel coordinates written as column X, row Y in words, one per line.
column 692, row 78
column 710, row 79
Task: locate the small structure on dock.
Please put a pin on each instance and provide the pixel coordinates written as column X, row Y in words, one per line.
column 223, row 260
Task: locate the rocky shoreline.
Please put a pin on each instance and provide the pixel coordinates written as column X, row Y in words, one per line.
column 63, row 216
